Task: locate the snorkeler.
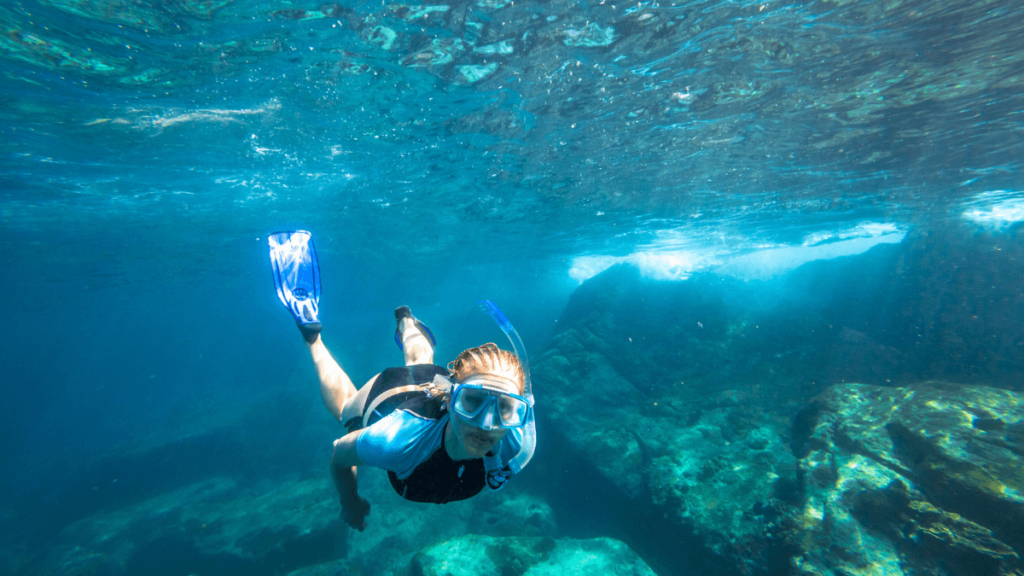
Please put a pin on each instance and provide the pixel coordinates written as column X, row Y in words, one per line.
column 442, row 434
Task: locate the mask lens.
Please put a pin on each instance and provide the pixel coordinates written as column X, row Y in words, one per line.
column 513, row 411
column 471, row 400
column 475, row 404
column 507, row 405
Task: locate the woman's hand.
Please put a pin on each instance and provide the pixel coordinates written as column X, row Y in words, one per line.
column 354, row 512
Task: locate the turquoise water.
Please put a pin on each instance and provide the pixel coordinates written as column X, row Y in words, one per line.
column 445, row 154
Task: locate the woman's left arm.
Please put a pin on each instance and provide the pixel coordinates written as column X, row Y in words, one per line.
column 344, row 460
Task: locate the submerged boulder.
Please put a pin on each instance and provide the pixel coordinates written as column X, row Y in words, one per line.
column 221, row 526
column 675, row 402
column 214, row 524
column 716, row 472
column 926, row 479
column 475, row 555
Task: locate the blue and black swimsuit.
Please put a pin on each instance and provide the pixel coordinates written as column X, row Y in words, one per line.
column 405, row 436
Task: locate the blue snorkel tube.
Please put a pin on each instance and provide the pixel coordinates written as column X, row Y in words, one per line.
column 529, row 429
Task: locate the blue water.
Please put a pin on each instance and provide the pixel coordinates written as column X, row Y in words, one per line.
column 148, row 149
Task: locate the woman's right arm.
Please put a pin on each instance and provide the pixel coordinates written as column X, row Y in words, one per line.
column 344, row 460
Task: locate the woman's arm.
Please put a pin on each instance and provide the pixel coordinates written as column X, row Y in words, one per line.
column 344, row 460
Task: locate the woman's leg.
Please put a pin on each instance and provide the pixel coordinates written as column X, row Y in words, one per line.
column 335, row 386
column 415, row 345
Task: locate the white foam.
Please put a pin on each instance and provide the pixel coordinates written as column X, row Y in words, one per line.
column 665, row 259
column 765, row 264
column 653, row 264
column 586, row 267
column 862, row 230
column 996, row 209
column 677, row 265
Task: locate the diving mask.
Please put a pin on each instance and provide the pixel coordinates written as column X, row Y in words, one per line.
column 481, row 401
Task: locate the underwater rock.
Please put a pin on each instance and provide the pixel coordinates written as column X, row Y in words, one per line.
column 937, row 306
column 679, row 396
column 210, row 523
column 290, row 524
column 956, row 304
column 926, row 479
column 719, row 469
column 234, row 492
column 476, row 555
column 398, row 529
column 511, row 513
column 703, row 336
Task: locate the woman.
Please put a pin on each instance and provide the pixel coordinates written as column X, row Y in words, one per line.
column 442, row 434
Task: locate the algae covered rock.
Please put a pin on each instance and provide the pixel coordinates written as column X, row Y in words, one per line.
column 397, row 529
column 215, row 522
column 922, row 479
column 717, row 471
column 220, row 525
column 475, row 555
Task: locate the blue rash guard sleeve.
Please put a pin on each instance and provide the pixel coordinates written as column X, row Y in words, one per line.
column 400, row 442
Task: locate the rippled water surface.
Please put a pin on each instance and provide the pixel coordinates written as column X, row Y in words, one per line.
column 568, row 126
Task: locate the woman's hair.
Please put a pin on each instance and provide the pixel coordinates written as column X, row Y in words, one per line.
column 489, row 359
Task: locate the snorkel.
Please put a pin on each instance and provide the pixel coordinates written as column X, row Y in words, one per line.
column 529, row 429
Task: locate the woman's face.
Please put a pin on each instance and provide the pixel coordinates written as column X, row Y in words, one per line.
column 477, row 441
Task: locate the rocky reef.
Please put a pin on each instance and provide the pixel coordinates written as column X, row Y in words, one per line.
column 220, row 526
column 710, row 468
column 475, row 555
column 717, row 411
column 880, row 480
column 926, row 479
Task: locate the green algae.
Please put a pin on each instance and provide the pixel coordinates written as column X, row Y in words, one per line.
column 899, row 454
column 515, row 556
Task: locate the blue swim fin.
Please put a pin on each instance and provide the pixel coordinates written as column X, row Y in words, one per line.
column 297, row 278
column 403, row 312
